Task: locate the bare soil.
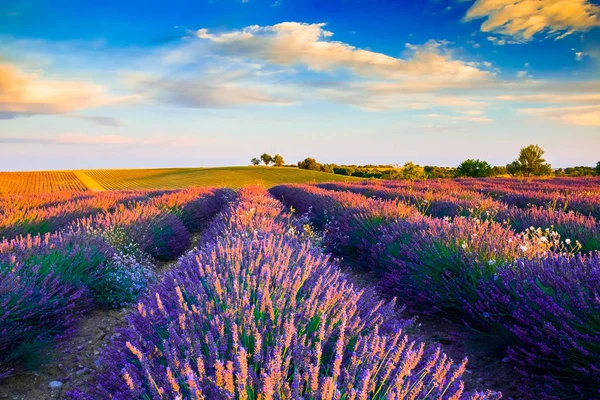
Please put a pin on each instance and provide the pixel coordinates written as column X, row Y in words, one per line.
column 70, row 362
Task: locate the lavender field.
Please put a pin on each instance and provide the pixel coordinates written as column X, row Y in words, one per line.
column 304, row 291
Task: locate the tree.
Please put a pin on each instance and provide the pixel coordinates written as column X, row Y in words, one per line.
column 499, row 170
column 266, row 158
column 255, row 161
column 530, row 163
column 474, row 169
column 309, row 163
column 412, row 171
column 598, row 168
column 278, row 160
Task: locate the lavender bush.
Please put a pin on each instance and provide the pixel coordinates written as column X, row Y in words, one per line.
column 262, row 315
column 548, row 312
column 527, row 292
column 48, row 281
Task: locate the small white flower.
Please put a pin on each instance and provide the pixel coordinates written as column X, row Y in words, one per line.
column 464, row 245
column 568, row 241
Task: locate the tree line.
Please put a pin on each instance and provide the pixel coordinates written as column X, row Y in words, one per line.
column 529, row 163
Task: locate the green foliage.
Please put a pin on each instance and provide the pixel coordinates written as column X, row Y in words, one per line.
column 474, row 169
column 576, row 171
column 412, row 171
column 310, row 164
column 598, row 168
column 255, row 161
column 278, row 160
column 266, row 158
column 530, row 163
column 348, row 171
column 498, row 171
column 434, row 172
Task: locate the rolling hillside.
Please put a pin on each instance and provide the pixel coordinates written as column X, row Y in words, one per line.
column 163, row 178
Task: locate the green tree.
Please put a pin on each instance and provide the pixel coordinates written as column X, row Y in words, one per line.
column 412, row 171
column 474, row 169
column 266, row 158
column 278, row 160
column 309, row 163
column 329, row 168
column 255, row 161
column 530, row 163
column 499, row 170
column 598, row 168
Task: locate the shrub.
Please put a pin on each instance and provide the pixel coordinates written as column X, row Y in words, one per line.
column 123, row 279
column 547, row 311
column 256, row 314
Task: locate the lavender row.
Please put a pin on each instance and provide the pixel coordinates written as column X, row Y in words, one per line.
column 23, row 215
column 579, row 195
column 259, row 312
column 526, row 291
column 570, row 225
column 49, row 281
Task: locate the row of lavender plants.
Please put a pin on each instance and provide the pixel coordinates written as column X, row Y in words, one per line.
column 259, row 312
column 47, row 282
column 38, row 214
column 577, row 195
column 460, row 202
column 526, row 292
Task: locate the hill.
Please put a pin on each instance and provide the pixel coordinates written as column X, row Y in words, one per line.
column 162, row 178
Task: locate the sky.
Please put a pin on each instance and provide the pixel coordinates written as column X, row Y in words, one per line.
column 128, row 84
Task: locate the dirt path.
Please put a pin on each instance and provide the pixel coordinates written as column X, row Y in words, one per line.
column 70, row 362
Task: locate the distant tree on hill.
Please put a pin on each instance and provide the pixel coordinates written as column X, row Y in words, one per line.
column 499, row 170
column 434, row 172
column 412, row 171
column 255, row 161
column 598, row 168
column 309, row 163
column 266, row 158
column 278, row 160
column 576, row 171
column 474, row 169
column 329, row 168
column 530, row 163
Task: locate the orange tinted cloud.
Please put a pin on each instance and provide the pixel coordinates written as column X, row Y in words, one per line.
column 24, row 94
column 525, row 18
column 576, row 115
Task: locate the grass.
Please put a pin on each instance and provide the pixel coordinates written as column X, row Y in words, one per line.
column 175, row 178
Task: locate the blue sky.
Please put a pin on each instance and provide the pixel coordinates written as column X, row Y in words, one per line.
column 205, row 83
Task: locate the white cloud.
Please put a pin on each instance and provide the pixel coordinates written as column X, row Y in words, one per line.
column 211, row 89
column 522, row 19
column 309, row 45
